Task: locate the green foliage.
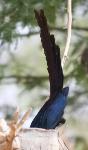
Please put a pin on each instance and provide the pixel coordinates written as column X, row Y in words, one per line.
column 13, row 12
column 80, row 144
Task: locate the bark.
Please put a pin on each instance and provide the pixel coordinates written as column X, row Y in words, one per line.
column 41, row 139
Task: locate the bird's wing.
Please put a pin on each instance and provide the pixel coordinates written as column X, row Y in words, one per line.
column 52, row 53
column 56, row 110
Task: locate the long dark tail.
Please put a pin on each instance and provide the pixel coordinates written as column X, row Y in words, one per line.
column 52, row 53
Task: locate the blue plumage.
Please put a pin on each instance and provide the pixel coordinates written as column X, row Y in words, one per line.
column 56, row 110
column 52, row 115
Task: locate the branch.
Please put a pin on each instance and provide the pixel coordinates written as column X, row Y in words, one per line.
column 69, row 24
column 9, row 132
column 61, row 29
column 24, row 118
column 30, row 33
column 26, row 77
column 51, row 28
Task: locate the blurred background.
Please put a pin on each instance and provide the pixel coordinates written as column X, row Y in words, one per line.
column 23, row 70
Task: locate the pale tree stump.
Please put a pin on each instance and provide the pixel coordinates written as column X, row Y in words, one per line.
column 13, row 137
column 41, row 139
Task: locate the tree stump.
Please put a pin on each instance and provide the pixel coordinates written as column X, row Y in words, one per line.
column 41, row 139
column 13, row 137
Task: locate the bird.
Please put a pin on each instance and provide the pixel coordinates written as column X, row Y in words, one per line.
column 52, row 116
column 51, row 113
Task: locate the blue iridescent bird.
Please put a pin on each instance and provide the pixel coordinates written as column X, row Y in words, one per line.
column 55, row 111
column 51, row 113
column 52, row 116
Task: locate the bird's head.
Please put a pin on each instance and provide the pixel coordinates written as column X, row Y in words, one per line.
column 65, row 91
